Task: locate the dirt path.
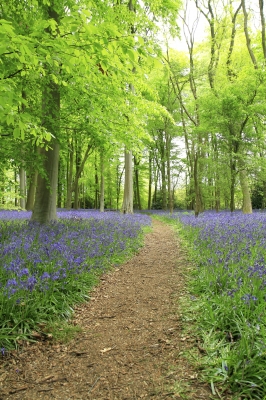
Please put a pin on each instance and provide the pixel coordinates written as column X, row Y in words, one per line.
column 132, row 341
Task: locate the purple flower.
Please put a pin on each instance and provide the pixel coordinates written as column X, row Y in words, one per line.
column 45, row 275
column 23, row 272
column 34, row 255
column 31, row 282
column 11, row 282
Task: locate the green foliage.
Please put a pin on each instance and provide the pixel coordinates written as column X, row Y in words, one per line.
column 257, row 197
column 228, row 304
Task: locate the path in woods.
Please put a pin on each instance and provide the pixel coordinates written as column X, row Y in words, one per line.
column 132, row 341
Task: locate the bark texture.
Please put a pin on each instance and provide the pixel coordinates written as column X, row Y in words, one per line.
column 46, row 193
column 127, row 207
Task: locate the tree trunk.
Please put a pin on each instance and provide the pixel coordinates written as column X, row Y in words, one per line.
column 75, row 187
column 31, row 191
column 234, row 150
column 102, row 183
column 217, row 191
column 232, row 186
column 136, row 170
column 76, row 195
column 263, row 35
column 198, row 201
column 22, row 188
column 217, row 197
column 156, row 178
column 168, row 155
column 45, row 202
column 118, row 184
column 247, row 206
column 80, row 163
column 150, row 181
column 60, row 185
column 247, row 35
column 127, row 206
column 96, row 192
column 15, row 179
column 164, row 194
column 70, row 165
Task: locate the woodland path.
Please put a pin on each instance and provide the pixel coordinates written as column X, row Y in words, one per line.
column 132, row 341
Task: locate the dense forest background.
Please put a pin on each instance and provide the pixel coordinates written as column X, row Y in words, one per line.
column 102, row 107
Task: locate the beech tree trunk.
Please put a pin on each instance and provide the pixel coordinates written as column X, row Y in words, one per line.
column 46, row 193
column 31, row 191
column 76, row 186
column 45, row 202
column 70, row 165
column 164, row 186
column 22, row 188
column 156, row 179
column 247, row 205
column 61, row 179
column 150, row 180
column 232, row 187
column 102, row 183
column 127, row 206
column 16, row 191
column 168, row 154
column 118, row 183
column 198, row 200
column 137, row 188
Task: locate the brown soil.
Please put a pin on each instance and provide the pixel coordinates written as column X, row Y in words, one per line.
column 132, row 342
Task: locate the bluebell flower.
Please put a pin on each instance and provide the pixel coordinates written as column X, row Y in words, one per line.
column 31, row 282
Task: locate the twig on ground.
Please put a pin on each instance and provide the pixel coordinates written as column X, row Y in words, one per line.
column 96, row 380
column 45, row 390
column 18, row 389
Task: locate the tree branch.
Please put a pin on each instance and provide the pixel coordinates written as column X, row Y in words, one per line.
column 248, row 40
column 11, row 75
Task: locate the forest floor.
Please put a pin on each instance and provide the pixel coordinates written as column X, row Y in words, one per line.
column 133, row 339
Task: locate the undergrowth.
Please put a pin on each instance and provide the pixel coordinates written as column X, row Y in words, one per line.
column 228, row 293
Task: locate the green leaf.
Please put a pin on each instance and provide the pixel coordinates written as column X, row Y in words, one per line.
column 141, row 41
column 16, row 133
column 21, row 125
column 48, row 137
column 22, row 59
column 10, row 119
column 55, row 79
column 3, row 48
column 87, row 13
column 132, row 55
